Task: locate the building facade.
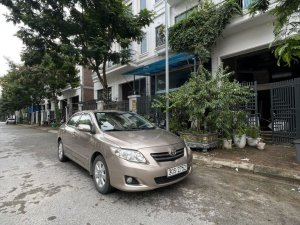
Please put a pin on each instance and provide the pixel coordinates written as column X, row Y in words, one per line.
column 244, row 47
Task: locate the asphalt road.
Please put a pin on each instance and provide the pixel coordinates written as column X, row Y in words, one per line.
column 35, row 188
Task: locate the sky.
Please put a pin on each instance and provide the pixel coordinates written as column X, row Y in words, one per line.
column 10, row 45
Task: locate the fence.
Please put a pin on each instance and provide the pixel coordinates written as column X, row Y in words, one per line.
column 119, row 105
column 90, row 105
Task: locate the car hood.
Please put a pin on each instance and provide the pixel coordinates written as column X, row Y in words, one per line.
column 142, row 138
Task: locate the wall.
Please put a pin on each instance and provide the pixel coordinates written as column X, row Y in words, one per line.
column 245, row 34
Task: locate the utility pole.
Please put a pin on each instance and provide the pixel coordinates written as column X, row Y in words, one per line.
column 167, row 63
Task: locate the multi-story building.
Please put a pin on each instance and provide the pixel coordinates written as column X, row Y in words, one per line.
column 244, row 47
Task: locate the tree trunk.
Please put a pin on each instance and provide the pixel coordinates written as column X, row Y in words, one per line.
column 103, row 82
column 56, row 111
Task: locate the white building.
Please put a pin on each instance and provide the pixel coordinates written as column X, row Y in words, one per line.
column 245, row 34
column 244, row 47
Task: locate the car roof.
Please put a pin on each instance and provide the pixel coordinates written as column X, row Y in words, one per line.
column 95, row 111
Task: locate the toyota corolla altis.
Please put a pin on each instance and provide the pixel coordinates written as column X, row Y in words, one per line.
column 123, row 150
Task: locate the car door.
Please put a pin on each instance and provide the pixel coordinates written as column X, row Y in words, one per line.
column 85, row 140
column 69, row 134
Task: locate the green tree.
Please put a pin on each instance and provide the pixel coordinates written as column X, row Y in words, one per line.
column 90, row 27
column 27, row 85
column 286, row 27
column 21, row 87
column 59, row 72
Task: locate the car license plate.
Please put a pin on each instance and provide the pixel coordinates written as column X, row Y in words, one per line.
column 176, row 170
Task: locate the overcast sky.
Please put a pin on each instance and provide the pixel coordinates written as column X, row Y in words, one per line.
column 10, row 45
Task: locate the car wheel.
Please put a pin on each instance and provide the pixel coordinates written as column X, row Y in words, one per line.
column 101, row 175
column 60, row 151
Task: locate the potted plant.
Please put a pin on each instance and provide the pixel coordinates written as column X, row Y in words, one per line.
column 240, row 136
column 227, row 137
column 252, row 135
column 208, row 102
column 240, row 128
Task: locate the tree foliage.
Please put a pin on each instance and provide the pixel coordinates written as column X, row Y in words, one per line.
column 21, row 87
column 210, row 102
column 27, row 85
column 200, row 30
column 286, row 26
column 88, row 27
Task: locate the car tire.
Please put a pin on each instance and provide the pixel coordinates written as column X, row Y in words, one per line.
column 60, row 152
column 101, row 175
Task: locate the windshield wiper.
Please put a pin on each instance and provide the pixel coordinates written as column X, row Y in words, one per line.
column 148, row 128
column 115, row 130
column 140, row 128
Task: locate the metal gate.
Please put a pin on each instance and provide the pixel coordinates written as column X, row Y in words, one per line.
column 285, row 111
column 251, row 107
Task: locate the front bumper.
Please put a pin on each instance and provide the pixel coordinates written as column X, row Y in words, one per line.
column 149, row 176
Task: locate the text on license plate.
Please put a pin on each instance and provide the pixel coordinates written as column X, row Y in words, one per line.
column 176, row 170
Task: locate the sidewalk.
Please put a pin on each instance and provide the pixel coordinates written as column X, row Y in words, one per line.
column 44, row 128
column 274, row 160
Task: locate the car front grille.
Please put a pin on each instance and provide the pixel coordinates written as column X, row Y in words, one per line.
column 166, row 156
column 165, row 179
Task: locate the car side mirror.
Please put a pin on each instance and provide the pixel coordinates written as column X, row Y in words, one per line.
column 84, row 127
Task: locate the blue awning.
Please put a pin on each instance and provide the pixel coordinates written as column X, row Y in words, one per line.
column 175, row 61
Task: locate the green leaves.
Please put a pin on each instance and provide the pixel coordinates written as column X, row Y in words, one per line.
column 289, row 50
column 200, row 30
column 209, row 100
column 90, row 28
column 286, row 27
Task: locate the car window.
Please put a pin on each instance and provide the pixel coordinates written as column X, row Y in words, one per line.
column 85, row 119
column 74, row 119
column 118, row 121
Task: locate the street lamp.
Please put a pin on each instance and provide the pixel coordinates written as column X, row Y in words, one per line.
column 167, row 63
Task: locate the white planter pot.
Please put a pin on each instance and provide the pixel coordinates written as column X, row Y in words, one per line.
column 252, row 141
column 227, row 144
column 240, row 141
column 261, row 145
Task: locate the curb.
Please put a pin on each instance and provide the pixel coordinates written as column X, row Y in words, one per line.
column 53, row 131
column 250, row 167
column 49, row 130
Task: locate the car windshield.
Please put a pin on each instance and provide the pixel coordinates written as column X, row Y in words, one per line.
column 122, row 121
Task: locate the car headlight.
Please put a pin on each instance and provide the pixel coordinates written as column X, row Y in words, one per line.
column 130, row 155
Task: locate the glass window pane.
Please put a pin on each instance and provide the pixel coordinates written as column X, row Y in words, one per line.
column 159, row 36
column 161, row 83
column 74, row 119
column 85, row 119
column 144, row 45
column 143, row 4
column 246, row 3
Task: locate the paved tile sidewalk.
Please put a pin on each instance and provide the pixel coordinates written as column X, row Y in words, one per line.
column 274, row 160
